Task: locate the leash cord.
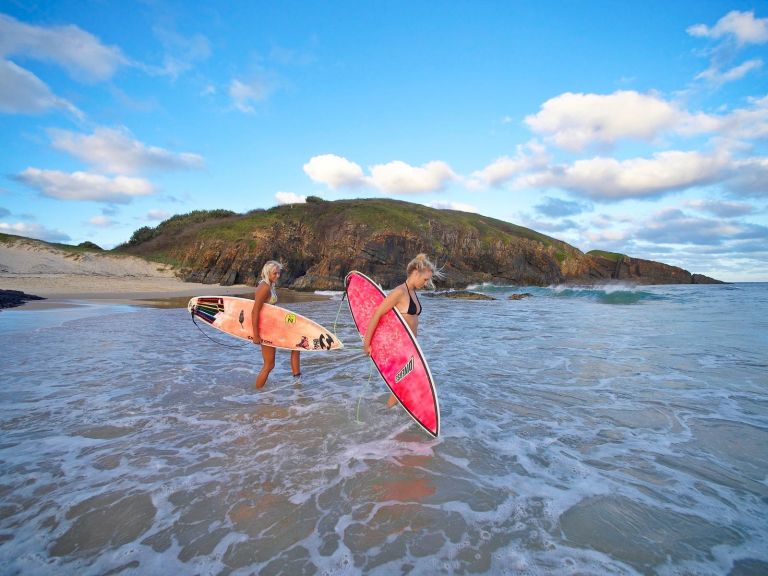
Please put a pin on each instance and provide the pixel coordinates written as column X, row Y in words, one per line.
column 240, row 346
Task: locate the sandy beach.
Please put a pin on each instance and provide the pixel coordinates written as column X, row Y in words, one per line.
column 63, row 278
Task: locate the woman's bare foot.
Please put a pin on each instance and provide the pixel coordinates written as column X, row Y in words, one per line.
column 391, row 401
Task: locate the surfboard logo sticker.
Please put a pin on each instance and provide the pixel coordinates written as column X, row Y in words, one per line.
column 324, row 342
column 405, row 370
column 290, row 318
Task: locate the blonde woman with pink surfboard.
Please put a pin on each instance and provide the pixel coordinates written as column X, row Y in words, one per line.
column 420, row 272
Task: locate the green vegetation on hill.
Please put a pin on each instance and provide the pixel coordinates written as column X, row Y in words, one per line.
column 377, row 215
column 612, row 256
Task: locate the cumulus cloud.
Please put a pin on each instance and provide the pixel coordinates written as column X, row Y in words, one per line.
column 31, row 230
column 85, row 186
column 334, row 171
column 574, row 121
column 447, row 205
column 604, row 178
column 80, row 53
column 528, row 157
column 398, row 177
column 289, row 198
column 116, row 151
column 742, row 26
column 21, row 92
column 394, row 177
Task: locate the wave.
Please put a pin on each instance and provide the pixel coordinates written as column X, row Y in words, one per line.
column 618, row 293
column 332, row 294
column 613, row 293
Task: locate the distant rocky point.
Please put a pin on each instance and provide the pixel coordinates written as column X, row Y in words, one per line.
column 13, row 298
column 460, row 295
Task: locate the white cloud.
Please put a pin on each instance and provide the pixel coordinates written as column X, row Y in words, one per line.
column 447, row 205
column 610, row 179
column 574, row 121
column 289, row 198
column 713, row 74
column 34, row 231
column 531, row 156
column 21, row 92
column 334, row 171
column 72, row 48
column 742, row 26
column 732, row 32
column 246, row 94
column 101, row 221
column 394, row 177
column 744, row 123
column 397, row 177
column 116, row 151
column 158, row 215
column 85, row 186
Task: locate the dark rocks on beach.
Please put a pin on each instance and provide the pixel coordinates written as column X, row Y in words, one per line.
column 12, row 298
column 460, row 295
column 519, row 296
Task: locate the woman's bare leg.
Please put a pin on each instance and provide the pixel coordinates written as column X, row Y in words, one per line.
column 268, row 354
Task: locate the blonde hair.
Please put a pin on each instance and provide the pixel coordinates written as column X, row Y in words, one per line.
column 265, row 271
column 420, row 264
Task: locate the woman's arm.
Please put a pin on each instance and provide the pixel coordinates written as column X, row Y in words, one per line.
column 263, row 292
column 387, row 304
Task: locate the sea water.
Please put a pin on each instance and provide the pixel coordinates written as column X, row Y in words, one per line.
column 617, row 430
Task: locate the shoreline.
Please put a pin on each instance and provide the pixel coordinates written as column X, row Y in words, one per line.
column 67, row 291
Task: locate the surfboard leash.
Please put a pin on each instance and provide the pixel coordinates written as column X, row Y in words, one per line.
column 360, row 397
column 339, row 311
column 214, row 340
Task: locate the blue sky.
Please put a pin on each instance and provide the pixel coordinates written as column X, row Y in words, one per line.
column 638, row 127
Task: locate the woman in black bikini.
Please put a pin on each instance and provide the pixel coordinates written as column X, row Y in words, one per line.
column 420, row 273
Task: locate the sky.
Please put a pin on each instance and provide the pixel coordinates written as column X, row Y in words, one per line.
column 635, row 127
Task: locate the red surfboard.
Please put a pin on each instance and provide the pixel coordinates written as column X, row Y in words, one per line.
column 395, row 352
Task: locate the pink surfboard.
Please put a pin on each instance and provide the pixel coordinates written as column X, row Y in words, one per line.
column 395, row 352
column 279, row 328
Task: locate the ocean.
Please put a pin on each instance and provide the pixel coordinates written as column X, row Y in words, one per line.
column 605, row 430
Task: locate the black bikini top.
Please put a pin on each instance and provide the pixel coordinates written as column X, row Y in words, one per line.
column 412, row 305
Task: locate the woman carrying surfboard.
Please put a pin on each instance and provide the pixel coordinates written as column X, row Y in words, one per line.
column 265, row 292
column 420, row 272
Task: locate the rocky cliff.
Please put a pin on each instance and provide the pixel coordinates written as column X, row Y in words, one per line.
column 320, row 241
